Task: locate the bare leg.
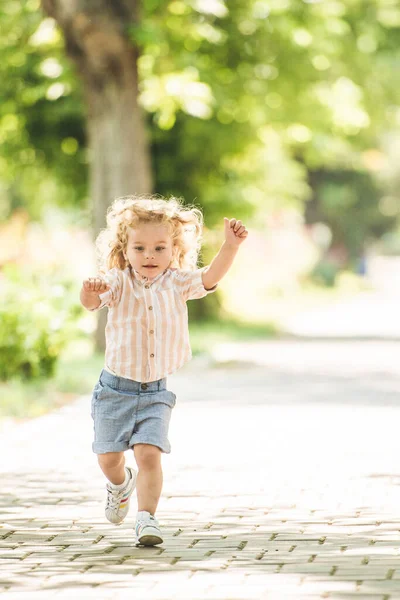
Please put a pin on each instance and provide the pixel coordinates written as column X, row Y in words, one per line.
column 112, row 464
column 150, row 477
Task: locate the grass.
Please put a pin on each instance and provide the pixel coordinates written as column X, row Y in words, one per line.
column 79, row 367
column 205, row 335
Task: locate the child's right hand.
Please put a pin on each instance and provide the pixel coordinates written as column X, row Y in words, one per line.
column 95, row 285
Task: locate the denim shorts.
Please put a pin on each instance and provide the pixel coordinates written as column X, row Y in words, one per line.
column 127, row 412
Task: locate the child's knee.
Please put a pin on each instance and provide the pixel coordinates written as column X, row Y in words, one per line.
column 110, row 459
column 147, row 456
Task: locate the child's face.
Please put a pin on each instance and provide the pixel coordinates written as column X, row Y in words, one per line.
column 149, row 249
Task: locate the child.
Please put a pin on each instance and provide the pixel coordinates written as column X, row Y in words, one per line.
column 148, row 255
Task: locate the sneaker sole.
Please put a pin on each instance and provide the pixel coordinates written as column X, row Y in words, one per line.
column 150, row 540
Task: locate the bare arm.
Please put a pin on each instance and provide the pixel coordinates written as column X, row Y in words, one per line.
column 91, row 288
column 235, row 234
column 219, row 266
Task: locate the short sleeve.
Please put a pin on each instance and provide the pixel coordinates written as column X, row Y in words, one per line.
column 190, row 284
column 113, row 295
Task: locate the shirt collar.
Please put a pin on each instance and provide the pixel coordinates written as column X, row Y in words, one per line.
column 145, row 280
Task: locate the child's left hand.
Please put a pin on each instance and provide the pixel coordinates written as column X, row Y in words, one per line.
column 235, row 232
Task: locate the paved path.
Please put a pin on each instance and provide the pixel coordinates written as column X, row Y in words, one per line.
column 283, row 482
column 372, row 314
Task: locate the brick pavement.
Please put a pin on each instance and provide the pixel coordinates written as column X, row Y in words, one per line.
column 283, row 482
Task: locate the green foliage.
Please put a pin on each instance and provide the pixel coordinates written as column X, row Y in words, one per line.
column 205, row 335
column 242, row 100
column 76, row 371
column 27, row 347
column 41, row 119
column 205, row 308
column 325, row 273
column 37, row 319
column 247, row 97
column 349, row 201
column 206, row 72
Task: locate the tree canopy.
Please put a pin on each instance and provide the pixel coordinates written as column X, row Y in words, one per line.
column 248, row 104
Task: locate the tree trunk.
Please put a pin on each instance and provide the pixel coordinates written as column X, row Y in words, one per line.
column 96, row 40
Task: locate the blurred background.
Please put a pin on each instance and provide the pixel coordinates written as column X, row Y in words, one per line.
column 282, row 113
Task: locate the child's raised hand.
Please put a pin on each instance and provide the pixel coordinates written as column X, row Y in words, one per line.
column 95, row 285
column 235, row 232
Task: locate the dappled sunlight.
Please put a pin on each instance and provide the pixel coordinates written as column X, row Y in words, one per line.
column 283, row 481
column 273, row 485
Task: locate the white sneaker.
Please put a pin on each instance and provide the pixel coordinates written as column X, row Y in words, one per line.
column 147, row 529
column 117, row 504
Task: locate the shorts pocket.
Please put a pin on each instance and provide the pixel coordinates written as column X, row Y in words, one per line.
column 98, row 388
column 166, row 397
column 114, row 404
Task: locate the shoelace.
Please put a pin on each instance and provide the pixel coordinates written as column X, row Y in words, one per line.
column 114, row 497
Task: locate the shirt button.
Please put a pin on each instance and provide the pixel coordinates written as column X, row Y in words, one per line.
column 144, row 386
column 151, row 331
column 147, row 287
column 151, row 355
column 150, row 308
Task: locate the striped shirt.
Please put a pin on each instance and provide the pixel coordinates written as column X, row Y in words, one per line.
column 147, row 333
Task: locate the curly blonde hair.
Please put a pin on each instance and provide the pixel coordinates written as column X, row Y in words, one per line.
column 184, row 223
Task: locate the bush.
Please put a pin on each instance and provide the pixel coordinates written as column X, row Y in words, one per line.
column 38, row 317
column 325, row 273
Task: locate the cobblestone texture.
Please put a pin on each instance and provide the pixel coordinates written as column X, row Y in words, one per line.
column 283, row 483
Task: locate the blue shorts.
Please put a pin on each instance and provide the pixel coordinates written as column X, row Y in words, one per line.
column 127, row 412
